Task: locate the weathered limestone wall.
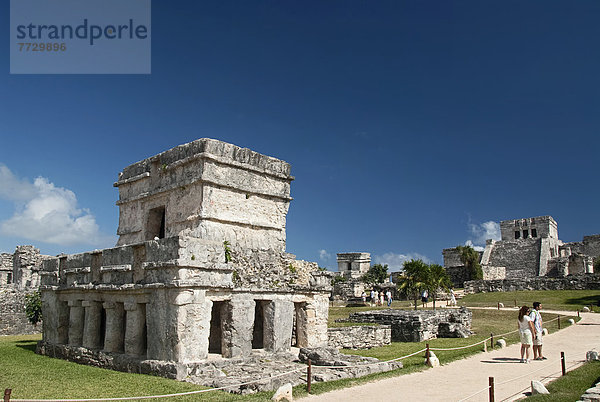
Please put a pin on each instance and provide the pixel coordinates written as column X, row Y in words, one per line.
column 452, row 258
column 591, row 245
column 417, row 326
column 574, row 282
column 206, row 189
column 540, row 226
column 6, row 268
column 522, row 256
column 13, row 320
column 360, row 337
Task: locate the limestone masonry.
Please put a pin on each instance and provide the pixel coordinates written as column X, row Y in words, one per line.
column 529, row 248
column 199, row 270
column 19, row 275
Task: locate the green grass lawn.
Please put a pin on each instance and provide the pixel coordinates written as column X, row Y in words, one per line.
column 34, row 376
column 571, row 386
column 571, row 300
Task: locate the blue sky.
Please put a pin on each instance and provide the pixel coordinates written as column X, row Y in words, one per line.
column 410, row 126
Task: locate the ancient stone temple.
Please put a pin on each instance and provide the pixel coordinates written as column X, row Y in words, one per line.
column 351, row 268
column 529, row 248
column 199, row 270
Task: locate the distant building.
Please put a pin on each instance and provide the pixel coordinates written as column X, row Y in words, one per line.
column 529, row 247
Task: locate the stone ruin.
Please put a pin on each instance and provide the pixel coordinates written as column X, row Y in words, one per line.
column 351, row 268
column 529, row 248
column 419, row 325
column 19, row 276
column 199, row 271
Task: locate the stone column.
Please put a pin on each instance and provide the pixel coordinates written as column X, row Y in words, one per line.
column 237, row 328
column 91, row 328
column 76, row 315
column 114, row 336
column 279, row 319
column 135, row 329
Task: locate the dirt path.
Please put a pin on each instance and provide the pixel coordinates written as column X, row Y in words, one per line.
column 463, row 378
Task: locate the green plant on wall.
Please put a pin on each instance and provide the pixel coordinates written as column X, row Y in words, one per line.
column 235, row 276
column 33, row 307
column 227, row 251
column 292, row 268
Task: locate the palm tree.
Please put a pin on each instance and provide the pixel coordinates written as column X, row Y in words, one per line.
column 437, row 279
column 414, row 278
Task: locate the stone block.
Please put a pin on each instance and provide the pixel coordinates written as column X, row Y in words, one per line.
column 538, row 388
column 283, row 393
column 433, row 360
column 592, row 355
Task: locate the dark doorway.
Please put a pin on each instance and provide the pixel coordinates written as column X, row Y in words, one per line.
column 258, row 341
column 215, row 338
column 102, row 328
column 155, row 227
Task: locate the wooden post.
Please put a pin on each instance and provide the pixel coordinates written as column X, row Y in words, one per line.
column 562, row 363
column 578, row 314
column 558, row 320
column 498, row 305
column 492, row 340
column 308, row 376
column 7, row 392
column 427, row 355
column 515, row 302
column 491, row 382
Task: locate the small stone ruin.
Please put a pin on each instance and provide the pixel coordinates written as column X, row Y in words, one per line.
column 199, row 273
column 420, row 325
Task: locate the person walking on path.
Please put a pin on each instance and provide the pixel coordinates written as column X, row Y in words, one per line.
column 373, row 298
column 452, row 297
column 388, row 295
column 526, row 330
column 424, row 297
column 536, row 317
column 381, row 298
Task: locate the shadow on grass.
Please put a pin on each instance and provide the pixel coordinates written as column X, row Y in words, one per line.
column 586, row 300
column 27, row 345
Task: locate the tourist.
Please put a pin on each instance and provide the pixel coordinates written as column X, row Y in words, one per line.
column 373, row 298
column 425, row 297
column 388, row 295
column 536, row 317
column 381, row 298
column 526, row 330
column 452, row 297
column 363, row 296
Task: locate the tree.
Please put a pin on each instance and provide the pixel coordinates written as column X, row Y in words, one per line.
column 33, row 307
column 437, row 279
column 414, row 278
column 470, row 258
column 375, row 275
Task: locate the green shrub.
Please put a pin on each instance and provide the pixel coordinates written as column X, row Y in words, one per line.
column 33, row 307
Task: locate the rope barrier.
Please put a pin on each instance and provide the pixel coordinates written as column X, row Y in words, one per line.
column 291, row 372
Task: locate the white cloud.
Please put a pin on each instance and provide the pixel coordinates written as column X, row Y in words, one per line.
column 13, row 189
column 47, row 213
column 324, row 255
column 482, row 232
column 395, row 261
column 476, row 248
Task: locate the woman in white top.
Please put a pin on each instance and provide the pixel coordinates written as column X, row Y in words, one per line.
column 526, row 330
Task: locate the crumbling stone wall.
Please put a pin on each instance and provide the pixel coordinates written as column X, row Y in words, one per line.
column 360, row 337
column 418, row 326
column 13, row 320
column 522, row 256
column 6, row 268
column 571, row 282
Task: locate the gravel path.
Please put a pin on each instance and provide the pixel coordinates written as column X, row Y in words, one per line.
column 464, row 378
